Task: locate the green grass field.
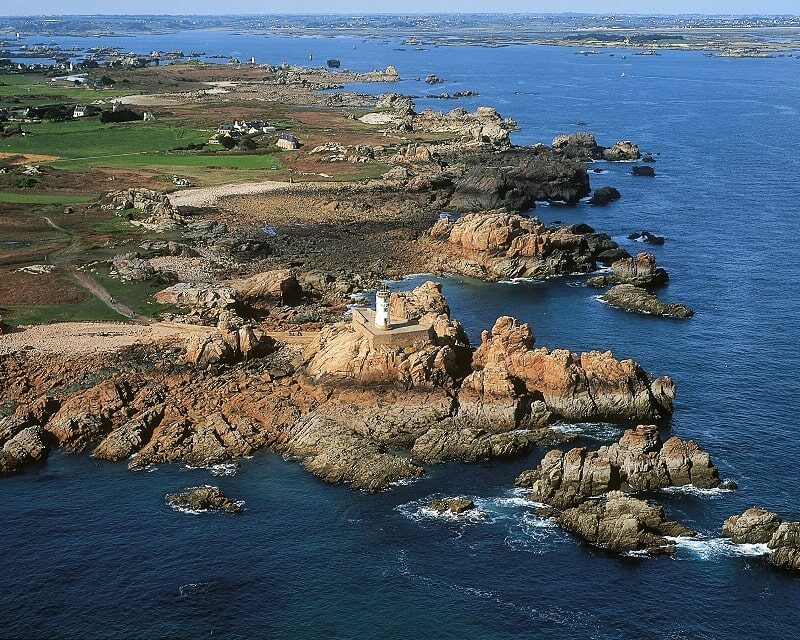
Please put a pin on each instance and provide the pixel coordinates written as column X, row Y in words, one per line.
column 136, row 295
column 35, row 90
column 87, row 142
column 89, row 309
column 41, row 198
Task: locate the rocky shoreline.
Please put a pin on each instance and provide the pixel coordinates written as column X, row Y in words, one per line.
column 270, row 360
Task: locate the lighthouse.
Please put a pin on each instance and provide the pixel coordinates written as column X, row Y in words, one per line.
column 382, row 320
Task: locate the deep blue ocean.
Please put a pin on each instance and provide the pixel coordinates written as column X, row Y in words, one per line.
column 91, row 550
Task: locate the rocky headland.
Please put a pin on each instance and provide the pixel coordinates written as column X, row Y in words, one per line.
column 339, row 403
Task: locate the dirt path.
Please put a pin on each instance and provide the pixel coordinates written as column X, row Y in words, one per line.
column 209, row 196
column 100, row 292
column 90, row 284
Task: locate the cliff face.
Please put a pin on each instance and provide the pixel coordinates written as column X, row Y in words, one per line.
column 497, row 244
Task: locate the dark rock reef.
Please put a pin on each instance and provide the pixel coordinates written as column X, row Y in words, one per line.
column 604, row 195
column 635, row 299
column 204, row 498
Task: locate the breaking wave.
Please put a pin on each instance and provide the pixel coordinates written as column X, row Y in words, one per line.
column 712, row 548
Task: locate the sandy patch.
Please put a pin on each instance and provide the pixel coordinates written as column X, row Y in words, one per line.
column 77, row 338
column 26, row 158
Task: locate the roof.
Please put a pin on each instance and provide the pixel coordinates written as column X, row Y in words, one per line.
column 288, row 136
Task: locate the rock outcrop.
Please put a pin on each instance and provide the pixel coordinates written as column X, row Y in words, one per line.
column 455, row 506
column 270, row 287
column 635, row 299
column 640, row 271
column 515, row 180
column 644, row 171
column 204, row 498
column 624, row 150
column 233, row 340
column 621, row 524
column 25, row 447
column 199, row 296
column 588, row 386
column 162, row 215
column 638, row 462
column 754, row 526
column 583, row 146
column 436, row 356
column 759, row 526
column 498, row 245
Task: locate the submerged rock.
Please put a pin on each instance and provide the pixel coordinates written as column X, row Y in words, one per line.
column 452, row 505
column 645, row 171
column 630, row 298
column 204, row 499
column 621, row 524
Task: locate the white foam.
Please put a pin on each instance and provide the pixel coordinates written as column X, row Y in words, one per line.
column 404, row 482
column 186, row 590
column 711, row 548
column 220, row 469
column 600, row 431
column 691, row 490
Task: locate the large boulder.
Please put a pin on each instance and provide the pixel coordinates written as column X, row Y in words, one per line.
column 604, row 195
column 640, row 271
column 754, row 526
column 279, row 285
column 23, row 448
column 622, row 151
column 621, row 524
column 580, row 146
column 759, row 526
column 203, row 296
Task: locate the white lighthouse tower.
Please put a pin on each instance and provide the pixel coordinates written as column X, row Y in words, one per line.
column 382, row 320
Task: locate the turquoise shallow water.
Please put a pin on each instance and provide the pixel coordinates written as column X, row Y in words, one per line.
column 93, row 552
